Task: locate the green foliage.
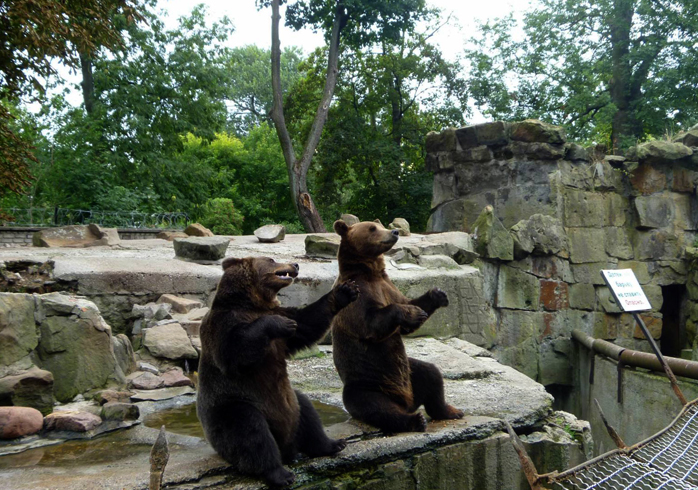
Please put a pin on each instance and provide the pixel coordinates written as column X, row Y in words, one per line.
column 221, row 217
column 606, row 70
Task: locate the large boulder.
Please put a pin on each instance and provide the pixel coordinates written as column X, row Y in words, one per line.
column 72, row 421
column 535, row 131
column 659, row 152
column 196, row 229
column 76, row 345
column 18, row 333
column 19, row 421
column 171, row 235
column 201, row 248
column 401, row 225
column 123, row 352
column 270, row 233
column 169, row 341
column 76, row 236
column 689, row 138
column 32, row 388
column 350, row 219
column 326, row 245
column 179, row 304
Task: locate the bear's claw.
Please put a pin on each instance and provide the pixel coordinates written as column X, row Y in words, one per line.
column 419, row 423
column 280, row 478
column 346, row 293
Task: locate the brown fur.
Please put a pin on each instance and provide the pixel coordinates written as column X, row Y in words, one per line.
column 383, row 386
column 250, row 413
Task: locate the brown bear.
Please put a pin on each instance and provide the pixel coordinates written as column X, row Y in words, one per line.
column 250, row 414
column 382, row 386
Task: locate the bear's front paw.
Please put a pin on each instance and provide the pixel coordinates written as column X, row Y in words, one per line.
column 439, row 297
column 418, row 423
column 281, row 327
column 345, row 293
column 413, row 318
column 279, row 478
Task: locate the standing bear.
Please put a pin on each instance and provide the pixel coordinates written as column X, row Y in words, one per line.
column 382, row 386
column 250, row 414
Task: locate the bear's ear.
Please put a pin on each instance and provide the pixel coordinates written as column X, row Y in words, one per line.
column 378, row 221
column 231, row 261
column 341, row 227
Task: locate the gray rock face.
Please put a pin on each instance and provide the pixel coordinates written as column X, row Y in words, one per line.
column 270, row 233
column 201, row 248
column 120, row 411
column 123, row 351
column 401, row 225
column 493, row 240
column 534, row 131
column 76, row 236
column 540, row 235
column 325, row 245
column 169, row 341
column 18, row 333
column 659, row 152
column 517, row 289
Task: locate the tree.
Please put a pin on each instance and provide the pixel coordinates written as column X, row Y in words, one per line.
column 615, row 70
column 250, row 92
column 370, row 161
column 32, row 34
column 355, row 23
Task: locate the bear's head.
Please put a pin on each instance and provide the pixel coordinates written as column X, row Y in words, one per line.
column 368, row 239
column 254, row 281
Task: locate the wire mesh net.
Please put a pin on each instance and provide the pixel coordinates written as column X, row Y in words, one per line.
column 675, row 452
column 619, row 472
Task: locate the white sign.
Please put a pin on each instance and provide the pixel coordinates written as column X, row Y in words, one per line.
column 626, row 290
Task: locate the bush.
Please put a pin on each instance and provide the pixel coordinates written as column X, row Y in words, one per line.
column 221, row 217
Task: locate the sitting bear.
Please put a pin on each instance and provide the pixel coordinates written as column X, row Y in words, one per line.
column 382, row 386
column 250, row 414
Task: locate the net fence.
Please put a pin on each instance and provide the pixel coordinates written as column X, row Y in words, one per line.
column 666, row 461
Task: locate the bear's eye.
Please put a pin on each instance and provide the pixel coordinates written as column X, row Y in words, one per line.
column 373, row 228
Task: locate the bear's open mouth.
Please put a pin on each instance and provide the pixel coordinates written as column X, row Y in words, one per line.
column 286, row 275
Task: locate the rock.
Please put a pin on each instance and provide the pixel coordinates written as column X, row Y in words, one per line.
column 147, row 381
column 76, row 236
column 443, row 141
column 196, row 229
column 582, row 296
column 162, row 393
column 201, row 248
column 648, row 179
column 19, row 422
column 148, row 368
column 401, row 225
column 120, row 411
column 659, row 152
column 196, row 314
column 18, row 333
column 455, row 244
column 171, row 235
column 655, row 211
column 71, row 421
column 180, row 305
column 175, row 377
column 492, row 239
column 437, row 262
column 575, row 152
column 350, row 219
column 151, row 313
column 517, row 289
column 77, row 349
column 270, row 233
column 492, row 134
column 554, row 295
column 111, row 396
column 689, row 138
column 587, row 245
column 535, row 131
column 540, row 235
column 169, row 341
column 33, row 388
column 123, row 352
column 326, row 245
column 192, row 327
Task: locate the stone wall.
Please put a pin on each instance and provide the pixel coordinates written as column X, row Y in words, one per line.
column 21, row 236
column 556, row 214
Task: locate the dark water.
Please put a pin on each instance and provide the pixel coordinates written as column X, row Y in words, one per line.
column 183, row 420
column 119, row 445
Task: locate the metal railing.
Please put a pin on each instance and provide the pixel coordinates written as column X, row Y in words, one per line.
column 47, row 217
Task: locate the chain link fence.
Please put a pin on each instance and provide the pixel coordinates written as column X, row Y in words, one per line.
column 47, row 217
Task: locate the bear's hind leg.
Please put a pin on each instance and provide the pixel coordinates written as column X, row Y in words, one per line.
column 378, row 409
column 240, row 434
column 428, row 390
column 310, row 437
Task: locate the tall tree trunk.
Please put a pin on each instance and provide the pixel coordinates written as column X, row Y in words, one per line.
column 298, row 168
column 88, row 83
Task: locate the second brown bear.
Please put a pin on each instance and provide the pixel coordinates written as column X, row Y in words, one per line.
column 382, row 386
